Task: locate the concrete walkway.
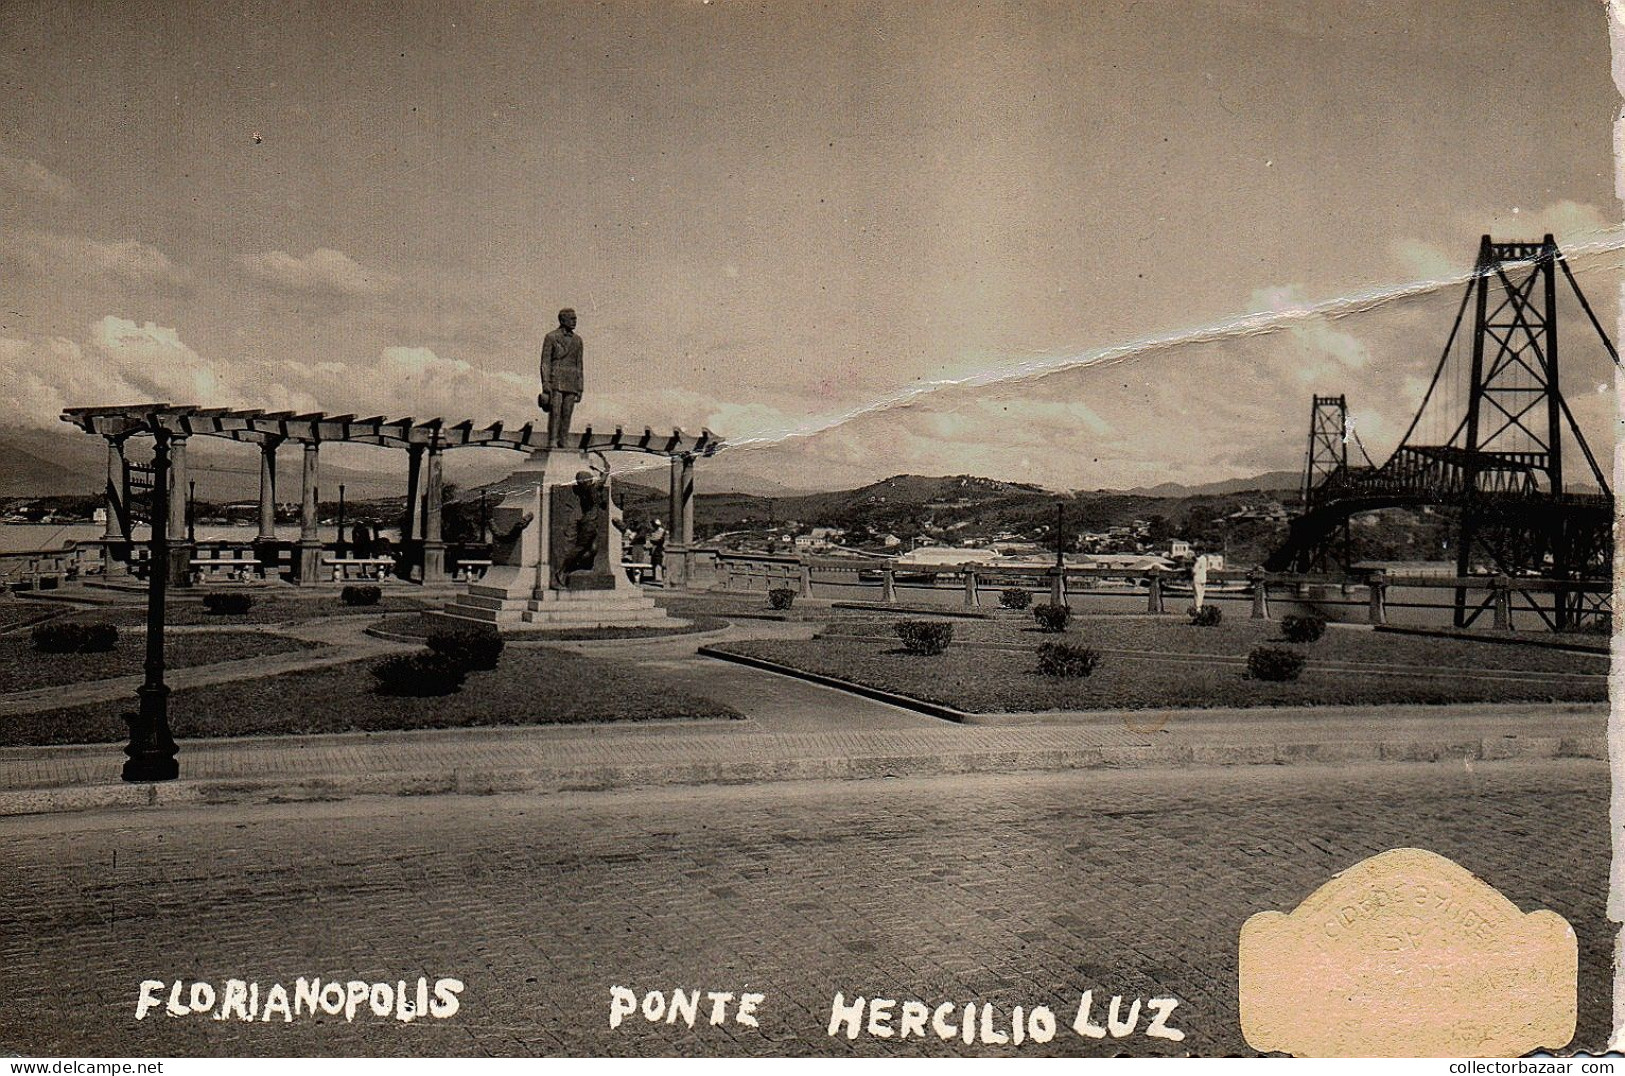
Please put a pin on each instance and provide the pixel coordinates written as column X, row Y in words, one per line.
column 341, row 640
column 556, row 758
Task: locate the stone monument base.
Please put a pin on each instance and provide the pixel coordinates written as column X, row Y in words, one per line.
column 545, row 608
column 518, row 590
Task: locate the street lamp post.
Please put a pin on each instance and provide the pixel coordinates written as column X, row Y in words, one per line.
column 152, row 749
column 191, row 510
column 341, row 517
column 1057, row 579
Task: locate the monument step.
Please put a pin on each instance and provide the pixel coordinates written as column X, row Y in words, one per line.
column 480, row 601
column 573, row 597
column 594, row 609
column 572, row 616
column 602, row 620
column 485, row 590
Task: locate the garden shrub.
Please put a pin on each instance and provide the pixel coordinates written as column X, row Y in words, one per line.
column 365, row 594
column 228, row 603
column 470, row 649
column 74, row 638
column 419, row 674
column 1302, row 629
column 1274, row 663
column 925, row 636
column 1067, row 659
column 1052, row 617
column 1015, row 597
column 1206, row 616
column 780, row 598
column 98, row 638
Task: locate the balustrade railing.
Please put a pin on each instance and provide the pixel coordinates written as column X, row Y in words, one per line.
column 1376, row 597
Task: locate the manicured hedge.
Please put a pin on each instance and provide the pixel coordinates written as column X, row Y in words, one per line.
column 74, row 638
column 925, row 636
column 1067, row 659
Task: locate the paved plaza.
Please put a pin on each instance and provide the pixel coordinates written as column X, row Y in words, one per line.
column 1002, row 890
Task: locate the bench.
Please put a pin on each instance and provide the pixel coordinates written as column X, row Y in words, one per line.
column 367, row 567
column 237, row 568
column 471, row 570
column 638, row 572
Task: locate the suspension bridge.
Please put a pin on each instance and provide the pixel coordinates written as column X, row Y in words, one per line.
column 1489, row 444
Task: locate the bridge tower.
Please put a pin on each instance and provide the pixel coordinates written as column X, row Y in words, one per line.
column 1511, row 437
column 1328, row 444
column 1325, row 462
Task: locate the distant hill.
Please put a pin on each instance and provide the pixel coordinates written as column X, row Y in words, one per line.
column 963, row 505
column 1269, row 482
column 28, row 475
column 42, row 463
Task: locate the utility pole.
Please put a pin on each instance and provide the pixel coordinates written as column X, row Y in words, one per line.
column 1060, row 545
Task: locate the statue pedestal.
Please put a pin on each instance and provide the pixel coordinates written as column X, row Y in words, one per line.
column 556, row 556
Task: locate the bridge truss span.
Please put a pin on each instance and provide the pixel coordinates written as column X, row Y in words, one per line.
column 1488, row 443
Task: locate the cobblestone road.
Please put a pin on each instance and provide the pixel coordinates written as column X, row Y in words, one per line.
column 1009, row 890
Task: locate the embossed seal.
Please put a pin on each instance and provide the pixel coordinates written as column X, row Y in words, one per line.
column 1407, row 954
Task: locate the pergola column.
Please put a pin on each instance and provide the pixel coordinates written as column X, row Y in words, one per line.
column 310, row 537
column 180, row 548
column 680, row 543
column 412, row 520
column 116, row 535
column 267, row 532
column 414, row 492
column 434, row 549
column 114, row 531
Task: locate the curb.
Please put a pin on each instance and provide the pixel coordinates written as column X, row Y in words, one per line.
column 1524, row 639
column 542, row 636
column 906, row 610
column 610, row 777
column 905, row 702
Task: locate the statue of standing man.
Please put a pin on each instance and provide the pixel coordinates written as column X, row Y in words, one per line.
column 561, row 377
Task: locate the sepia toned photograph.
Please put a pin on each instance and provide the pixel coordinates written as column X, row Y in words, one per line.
column 785, row 528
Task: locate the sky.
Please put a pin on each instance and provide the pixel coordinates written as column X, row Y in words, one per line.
column 1084, row 245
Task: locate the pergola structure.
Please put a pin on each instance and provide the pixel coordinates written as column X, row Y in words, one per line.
column 425, row 443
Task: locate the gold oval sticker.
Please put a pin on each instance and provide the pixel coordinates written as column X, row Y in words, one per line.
column 1408, row 954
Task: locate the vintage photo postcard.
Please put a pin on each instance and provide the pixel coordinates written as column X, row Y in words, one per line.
column 808, row 528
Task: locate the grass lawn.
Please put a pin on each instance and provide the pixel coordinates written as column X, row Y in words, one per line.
column 267, row 609
column 14, row 614
column 992, row 681
column 529, row 687
column 419, row 627
column 1234, row 638
column 23, row 668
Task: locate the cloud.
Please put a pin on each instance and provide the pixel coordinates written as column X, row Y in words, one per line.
column 60, row 258
column 1578, row 227
column 124, row 362
column 402, row 382
column 1205, row 406
column 323, row 273
column 22, row 176
column 1326, row 350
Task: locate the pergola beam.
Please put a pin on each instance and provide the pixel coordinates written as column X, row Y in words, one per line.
column 257, row 426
